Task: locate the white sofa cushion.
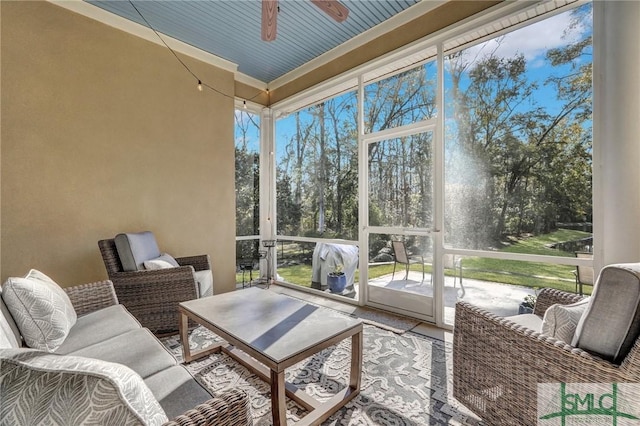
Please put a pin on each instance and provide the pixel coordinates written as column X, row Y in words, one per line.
column 163, row 261
column 7, row 338
column 9, row 333
column 98, row 326
column 560, row 321
column 41, row 309
column 43, row 388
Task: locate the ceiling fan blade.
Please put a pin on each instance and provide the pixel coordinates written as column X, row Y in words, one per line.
column 269, row 19
column 333, row 8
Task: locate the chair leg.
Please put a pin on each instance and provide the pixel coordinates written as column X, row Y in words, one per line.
column 394, row 270
column 422, row 273
column 406, row 271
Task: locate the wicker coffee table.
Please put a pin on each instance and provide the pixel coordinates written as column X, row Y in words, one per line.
column 267, row 333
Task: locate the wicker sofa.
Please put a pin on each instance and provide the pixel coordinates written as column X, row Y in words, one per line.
column 499, row 362
column 107, row 369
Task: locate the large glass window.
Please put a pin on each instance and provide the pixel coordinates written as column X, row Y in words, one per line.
column 404, row 98
column 317, row 170
column 247, row 147
column 400, row 181
column 505, row 175
column 518, row 140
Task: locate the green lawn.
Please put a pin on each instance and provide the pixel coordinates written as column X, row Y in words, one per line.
column 530, row 274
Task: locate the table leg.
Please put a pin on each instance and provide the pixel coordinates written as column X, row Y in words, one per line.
column 278, row 400
column 356, row 361
column 183, row 327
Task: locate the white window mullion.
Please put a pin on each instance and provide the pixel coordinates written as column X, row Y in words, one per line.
column 363, row 199
column 267, row 187
column 438, row 193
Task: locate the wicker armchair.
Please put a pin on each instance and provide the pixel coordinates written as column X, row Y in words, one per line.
column 497, row 364
column 152, row 296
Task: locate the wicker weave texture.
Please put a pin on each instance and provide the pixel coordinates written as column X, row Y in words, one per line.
column 152, row 296
column 229, row 408
column 498, row 364
column 90, row 297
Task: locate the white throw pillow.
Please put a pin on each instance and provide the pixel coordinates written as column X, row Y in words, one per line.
column 41, row 309
column 43, row 388
column 161, row 262
column 560, row 321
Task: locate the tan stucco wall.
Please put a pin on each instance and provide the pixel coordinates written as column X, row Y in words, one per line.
column 103, row 132
column 251, row 93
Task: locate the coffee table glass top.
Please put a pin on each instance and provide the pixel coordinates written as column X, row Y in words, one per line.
column 275, row 325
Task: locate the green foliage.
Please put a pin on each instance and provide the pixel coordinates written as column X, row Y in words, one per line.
column 533, row 163
column 514, row 166
column 247, row 192
column 529, row 274
column 529, row 301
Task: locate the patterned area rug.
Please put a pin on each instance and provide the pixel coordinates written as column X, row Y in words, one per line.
column 406, row 380
column 396, row 323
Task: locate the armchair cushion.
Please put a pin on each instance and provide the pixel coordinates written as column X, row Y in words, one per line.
column 161, row 262
column 205, row 282
column 133, row 249
column 611, row 324
column 41, row 309
column 530, row 321
column 560, row 321
column 36, row 388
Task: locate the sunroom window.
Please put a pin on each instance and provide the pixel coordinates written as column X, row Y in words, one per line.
column 478, row 151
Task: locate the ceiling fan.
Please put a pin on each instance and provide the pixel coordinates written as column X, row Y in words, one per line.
column 333, row 8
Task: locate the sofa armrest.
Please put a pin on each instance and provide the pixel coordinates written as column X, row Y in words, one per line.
column 200, row 262
column 230, row 407
column 550, row 296
column 90, row 297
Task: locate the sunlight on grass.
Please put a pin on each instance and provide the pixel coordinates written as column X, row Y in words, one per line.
column 529, row 274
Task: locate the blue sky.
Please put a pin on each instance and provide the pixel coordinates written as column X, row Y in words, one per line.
column 531, row 41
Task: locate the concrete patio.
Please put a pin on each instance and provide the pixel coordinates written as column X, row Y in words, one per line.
column 500, row 299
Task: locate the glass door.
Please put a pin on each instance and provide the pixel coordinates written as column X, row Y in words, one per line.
column 400, row 197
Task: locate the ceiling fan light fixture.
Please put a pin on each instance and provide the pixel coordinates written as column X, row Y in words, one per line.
column 270, row 9
column 333, row 8
column 269, row 19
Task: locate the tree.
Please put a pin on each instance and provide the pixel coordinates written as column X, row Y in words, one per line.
column 531, row 159
column 247, row 162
